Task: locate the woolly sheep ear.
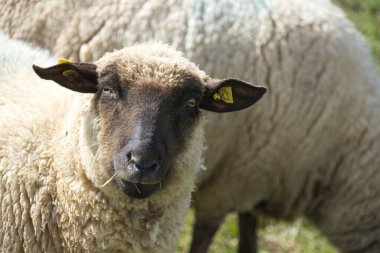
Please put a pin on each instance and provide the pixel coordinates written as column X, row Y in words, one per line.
column 81, row 77
column 230, row 95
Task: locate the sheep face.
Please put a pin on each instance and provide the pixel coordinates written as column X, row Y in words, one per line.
column 147, row 101
column 145, row 126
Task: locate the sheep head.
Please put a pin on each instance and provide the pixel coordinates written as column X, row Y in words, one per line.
column 148, row 102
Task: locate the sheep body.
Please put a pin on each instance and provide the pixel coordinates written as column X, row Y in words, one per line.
column 308, row 149
column 52, row 193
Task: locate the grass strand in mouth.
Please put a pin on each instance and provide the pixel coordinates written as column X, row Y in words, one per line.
column 108, row 181
column 138, row 190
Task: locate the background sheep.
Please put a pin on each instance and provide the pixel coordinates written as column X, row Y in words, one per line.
column 314, row 136
column 57, row 149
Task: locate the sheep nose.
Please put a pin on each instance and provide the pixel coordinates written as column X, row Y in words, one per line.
column 144, row 161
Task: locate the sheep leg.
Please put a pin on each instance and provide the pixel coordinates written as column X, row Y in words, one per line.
column 204, row 230
column 247, row 233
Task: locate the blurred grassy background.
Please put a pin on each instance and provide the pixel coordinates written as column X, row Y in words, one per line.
column 300, row 236
column 365, row 14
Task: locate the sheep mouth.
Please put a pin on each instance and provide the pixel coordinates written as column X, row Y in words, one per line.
column 138, row 183
column 136, row 190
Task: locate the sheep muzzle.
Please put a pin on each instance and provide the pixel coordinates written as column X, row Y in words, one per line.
column 139, row 171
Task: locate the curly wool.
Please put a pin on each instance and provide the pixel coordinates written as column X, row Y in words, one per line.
column 309, row 148
column 52, row 193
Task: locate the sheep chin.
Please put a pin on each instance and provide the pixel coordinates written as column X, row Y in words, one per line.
column 136, row 190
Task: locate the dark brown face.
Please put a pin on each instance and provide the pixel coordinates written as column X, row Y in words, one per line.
column 145, row 126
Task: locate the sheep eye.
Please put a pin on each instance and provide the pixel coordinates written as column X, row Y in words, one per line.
column 108, row 90
column 192, row 102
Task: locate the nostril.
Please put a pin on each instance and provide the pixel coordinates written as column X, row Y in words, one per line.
column 154, row 165
column 143, row 160
column 129, row 156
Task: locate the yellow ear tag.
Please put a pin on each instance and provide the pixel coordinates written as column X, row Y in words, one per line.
column 60, row 61
column 69, row 73
column 225, row 94
column 216, row 97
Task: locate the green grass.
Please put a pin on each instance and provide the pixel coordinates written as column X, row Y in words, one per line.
column 275, row 237
column 365, row 14
column 299, row 236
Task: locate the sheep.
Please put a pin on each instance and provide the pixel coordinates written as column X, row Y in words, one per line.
column 111, row 166
column 302, row 151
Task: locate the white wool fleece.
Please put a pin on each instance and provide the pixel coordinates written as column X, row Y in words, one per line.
column 52, row 192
